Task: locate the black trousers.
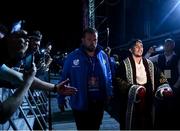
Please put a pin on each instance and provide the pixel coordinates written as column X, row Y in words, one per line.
column 90, row 119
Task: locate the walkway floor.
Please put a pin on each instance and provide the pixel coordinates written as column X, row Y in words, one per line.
column 65, row 121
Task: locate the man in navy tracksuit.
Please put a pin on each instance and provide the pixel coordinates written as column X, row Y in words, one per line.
column 88, row 70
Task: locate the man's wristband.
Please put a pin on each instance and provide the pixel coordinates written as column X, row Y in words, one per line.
column 55, row 88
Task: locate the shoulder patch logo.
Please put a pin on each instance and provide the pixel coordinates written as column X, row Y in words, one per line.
column 76, row 62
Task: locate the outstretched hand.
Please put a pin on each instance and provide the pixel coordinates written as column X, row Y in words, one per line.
column 64, row 89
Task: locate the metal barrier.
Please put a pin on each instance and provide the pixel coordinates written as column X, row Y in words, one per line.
column 31, row 115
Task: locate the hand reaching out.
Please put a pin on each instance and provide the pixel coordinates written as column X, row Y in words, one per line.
column 64, row 89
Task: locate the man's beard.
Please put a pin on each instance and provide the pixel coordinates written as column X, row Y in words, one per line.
column 90, row 48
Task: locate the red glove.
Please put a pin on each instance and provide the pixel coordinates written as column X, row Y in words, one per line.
column 166, row 92
column 141, row 93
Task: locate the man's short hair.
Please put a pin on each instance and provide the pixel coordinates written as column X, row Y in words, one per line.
column 169, row 40
column 133, row 42
column 89, row 30
column 35, row 35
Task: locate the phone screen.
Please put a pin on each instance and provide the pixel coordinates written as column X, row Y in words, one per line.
column 28, row 62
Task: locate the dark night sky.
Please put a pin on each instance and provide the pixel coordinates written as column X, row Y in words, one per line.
column 59, row 21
